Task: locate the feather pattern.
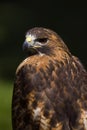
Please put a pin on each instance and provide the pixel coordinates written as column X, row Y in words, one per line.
column 50, row 90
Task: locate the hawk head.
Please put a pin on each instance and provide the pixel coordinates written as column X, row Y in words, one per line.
column 42, row 41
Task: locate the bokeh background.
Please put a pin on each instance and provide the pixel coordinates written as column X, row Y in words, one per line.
column 69, row 20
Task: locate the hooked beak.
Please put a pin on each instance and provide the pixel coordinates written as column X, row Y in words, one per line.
column 30, row 48
column 26, row 46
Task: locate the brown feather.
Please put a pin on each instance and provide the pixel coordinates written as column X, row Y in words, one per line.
column 50, row 90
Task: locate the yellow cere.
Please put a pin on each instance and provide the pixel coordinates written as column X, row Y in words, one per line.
column 28, row 39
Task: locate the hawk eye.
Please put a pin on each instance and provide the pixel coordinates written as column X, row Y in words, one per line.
column 42, row 40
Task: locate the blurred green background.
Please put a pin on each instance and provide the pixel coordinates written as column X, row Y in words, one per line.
column 67, row 19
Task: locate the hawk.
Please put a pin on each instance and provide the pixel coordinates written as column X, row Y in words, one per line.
column 50, row 87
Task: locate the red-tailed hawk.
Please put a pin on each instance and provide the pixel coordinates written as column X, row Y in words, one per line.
column 50, row 88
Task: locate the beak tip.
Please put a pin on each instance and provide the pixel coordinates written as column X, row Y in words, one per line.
column 25, row 46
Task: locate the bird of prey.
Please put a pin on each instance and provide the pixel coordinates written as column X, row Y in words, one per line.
column 50, row 87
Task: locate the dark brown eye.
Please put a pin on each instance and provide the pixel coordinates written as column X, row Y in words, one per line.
column 42, row 40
